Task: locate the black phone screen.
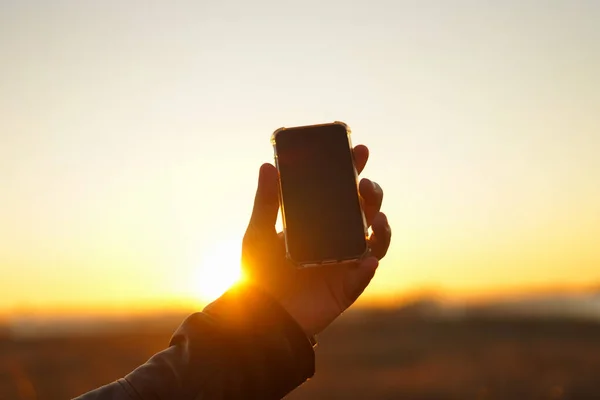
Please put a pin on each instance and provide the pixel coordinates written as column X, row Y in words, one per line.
column 319, row 193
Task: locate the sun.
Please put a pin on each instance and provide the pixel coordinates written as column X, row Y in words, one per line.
column 219, row 269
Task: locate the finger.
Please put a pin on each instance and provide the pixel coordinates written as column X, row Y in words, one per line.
column 266, row 201
column 357, row 279
column 361, row 155
column 380, row 240
column 372, row 198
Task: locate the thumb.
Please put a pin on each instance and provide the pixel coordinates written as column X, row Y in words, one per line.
column 357, row 279
column 266, row 201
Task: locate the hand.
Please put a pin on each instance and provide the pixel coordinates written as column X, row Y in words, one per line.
column 314, row 297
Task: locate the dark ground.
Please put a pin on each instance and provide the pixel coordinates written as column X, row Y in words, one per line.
column 374, row 355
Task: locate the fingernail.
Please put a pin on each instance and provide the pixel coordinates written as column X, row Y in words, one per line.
column 376, row 187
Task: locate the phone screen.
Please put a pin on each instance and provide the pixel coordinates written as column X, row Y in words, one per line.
column 319, row 193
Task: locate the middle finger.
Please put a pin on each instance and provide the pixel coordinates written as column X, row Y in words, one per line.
column 372, row 198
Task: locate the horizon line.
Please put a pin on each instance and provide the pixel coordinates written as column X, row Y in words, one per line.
column 174, row 305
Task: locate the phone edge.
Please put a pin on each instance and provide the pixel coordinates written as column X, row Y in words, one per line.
column 288, row 256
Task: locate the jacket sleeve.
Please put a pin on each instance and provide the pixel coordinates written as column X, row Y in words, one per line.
column 242, row 346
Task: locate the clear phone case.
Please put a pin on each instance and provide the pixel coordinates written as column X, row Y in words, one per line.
column 316, row 263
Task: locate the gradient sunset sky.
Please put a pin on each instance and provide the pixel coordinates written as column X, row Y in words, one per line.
column 131, row 133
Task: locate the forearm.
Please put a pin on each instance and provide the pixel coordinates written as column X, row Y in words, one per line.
column 244, row 345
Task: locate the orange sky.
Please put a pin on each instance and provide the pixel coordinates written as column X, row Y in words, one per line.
column 131, row 136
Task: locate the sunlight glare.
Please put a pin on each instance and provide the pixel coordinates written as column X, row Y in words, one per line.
column 219, row 269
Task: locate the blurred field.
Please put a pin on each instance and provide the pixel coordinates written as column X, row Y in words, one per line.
column 366, row 355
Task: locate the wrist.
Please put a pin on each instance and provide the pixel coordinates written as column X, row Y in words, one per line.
column 302, row 322
column 303, row 316
column 298, row 312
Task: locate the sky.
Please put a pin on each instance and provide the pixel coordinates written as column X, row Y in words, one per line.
column 131, row 134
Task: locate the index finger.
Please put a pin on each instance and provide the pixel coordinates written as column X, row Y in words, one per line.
column 361, row 155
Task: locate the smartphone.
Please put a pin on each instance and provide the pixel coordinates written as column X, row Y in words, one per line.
column 322, row 216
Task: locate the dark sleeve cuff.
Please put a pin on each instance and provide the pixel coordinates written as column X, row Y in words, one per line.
column 243, row 346
column 249, row 345
column 250, row 311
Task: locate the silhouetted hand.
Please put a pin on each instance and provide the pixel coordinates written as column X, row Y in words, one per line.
column 314, row 297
